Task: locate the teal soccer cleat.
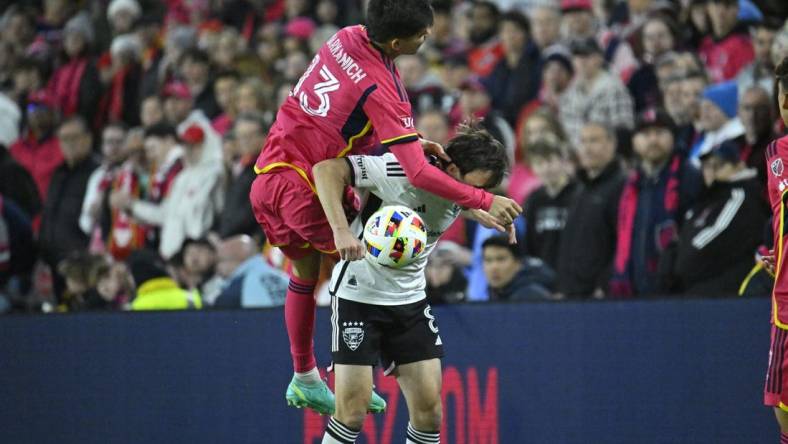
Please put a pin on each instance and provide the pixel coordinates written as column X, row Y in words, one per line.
column 314, row 396
column 376, row 404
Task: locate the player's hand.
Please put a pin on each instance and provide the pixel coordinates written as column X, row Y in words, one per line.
column 348, row 246
column 486, row 219
column 434, row 148
column 504, row 210
column 768, row 262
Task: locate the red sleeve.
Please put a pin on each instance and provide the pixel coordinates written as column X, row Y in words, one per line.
column 429, row 178
column 389, row 110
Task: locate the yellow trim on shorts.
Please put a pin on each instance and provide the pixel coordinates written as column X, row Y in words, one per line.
column 297, row 169
column 780, row 259
column 782, row 406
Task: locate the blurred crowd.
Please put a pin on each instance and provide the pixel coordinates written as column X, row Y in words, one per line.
column 636, row 131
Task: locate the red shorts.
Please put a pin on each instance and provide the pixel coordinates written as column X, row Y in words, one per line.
column 290, row 214
column 775, row 393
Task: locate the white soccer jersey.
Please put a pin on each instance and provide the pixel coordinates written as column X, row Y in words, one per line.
column 367, row 282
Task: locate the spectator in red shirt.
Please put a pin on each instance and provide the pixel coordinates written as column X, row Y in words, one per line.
column 486, row 48
column 37, row 150
column 728, row 49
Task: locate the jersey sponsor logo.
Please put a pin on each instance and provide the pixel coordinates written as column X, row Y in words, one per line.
column 407, row 122
column 362, row 167
column 353, row 334
column 777, row 167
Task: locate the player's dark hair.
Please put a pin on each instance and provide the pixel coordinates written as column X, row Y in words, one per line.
column 502, row 242
column 473, row 148
column 781, row 74
column 391, row 19
column 161, row 130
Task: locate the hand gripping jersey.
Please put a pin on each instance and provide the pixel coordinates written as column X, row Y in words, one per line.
column 776, row 156
column 349, row 100
column 367, row 282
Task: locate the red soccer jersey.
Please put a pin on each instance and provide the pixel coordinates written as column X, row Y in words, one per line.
column 349, row 100
column 778, row 195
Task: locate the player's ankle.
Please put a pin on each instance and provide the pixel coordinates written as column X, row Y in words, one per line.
column 309, row 377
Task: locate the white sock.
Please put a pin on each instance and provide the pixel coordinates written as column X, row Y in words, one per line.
column 311, row 377
column 338, row 433
column 416, row 437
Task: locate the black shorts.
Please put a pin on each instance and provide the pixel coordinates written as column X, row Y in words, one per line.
column 363, row 334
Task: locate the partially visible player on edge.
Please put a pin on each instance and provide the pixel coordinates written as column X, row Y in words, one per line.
column 382, row 313
column 776, row 390
column 349, row 100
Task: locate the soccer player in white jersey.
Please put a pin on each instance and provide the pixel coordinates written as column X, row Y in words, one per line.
column 381, row 313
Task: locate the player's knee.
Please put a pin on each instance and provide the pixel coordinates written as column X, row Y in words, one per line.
column 351, row 410
column 429, row 414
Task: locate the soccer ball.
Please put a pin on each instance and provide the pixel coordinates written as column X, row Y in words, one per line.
column 395, row 236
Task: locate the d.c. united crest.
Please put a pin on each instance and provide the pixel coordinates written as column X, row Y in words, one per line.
column 353, row 334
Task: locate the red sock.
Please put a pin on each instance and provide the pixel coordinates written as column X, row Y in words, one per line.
column 783, row 438
column 300, row 322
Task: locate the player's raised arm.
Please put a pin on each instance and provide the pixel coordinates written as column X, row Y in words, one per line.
column 429, row 178
column 331, row 177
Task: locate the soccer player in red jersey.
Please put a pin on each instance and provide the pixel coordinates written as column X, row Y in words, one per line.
column 776, row 390
column 350, row 100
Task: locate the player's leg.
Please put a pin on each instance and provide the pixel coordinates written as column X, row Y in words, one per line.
column 275, row 200
column 782, row 420
column 776, row 388
column 421, row 384
column 353, row 386
column 411, row 350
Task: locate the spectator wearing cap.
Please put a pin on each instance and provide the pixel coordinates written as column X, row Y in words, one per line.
column 715, row 248
column 425, row 89
column 595, row 94
column 588, row 242
column 76, row 86
column 718, row 119
column 516, row 78
column 761, row 71
column 578, row 22
column 37, row 150
column 658, row 36
column 475, row 104
column 154, row 288
column 122, row 15
column 486, row 49
column 237, row 217
column 60, row 233
column 657, row 193
column 557, row 73
column 513, row 277
column 728, row 49
column 757, row 116
column 190, row 207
